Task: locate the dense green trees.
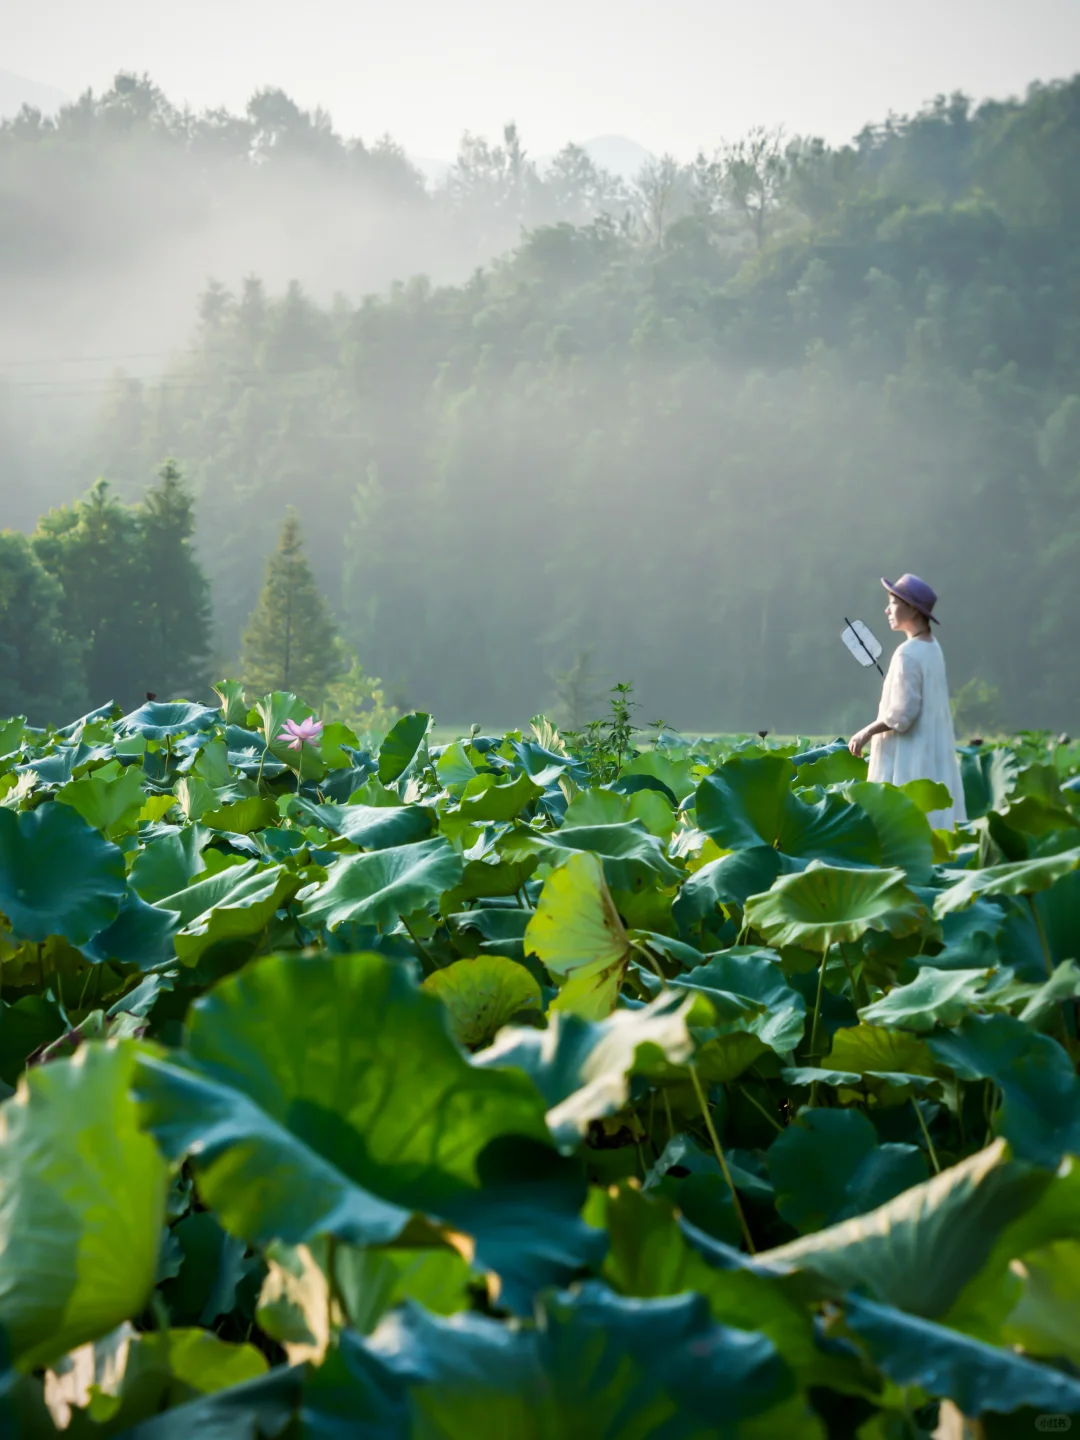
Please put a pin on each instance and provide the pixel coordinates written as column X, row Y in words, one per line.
column 39, row 666
column 121, row 596
column 291, row 642
column 687, row 433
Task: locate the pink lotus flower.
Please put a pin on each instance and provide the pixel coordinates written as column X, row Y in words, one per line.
column 294, row 735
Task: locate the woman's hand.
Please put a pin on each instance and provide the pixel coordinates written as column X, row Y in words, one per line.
column 860, row 740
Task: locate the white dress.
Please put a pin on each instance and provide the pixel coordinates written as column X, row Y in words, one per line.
column 920, row 743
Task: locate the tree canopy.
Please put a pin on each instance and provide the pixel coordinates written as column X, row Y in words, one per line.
column 686, row 426
column 290, row 642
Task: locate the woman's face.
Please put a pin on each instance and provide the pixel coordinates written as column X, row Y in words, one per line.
column 900, row 614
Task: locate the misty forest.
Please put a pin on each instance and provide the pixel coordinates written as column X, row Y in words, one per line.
column 544, row 428
column 453, row 983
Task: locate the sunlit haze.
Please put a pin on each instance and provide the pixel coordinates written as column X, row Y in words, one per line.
column 674, row 76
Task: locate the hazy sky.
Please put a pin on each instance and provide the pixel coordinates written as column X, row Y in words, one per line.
column 672, row 74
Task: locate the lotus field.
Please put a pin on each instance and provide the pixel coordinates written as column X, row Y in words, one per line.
column 531, row 1085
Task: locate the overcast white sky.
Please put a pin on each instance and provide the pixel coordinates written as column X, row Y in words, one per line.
column 672, row 74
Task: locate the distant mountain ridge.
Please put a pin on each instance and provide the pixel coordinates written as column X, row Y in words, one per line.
column 15, row 92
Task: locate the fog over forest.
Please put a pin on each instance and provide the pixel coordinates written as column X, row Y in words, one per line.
column 679, row 426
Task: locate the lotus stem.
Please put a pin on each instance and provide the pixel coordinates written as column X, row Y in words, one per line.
column 760, row 1108
column 667, row 1111
column 719, row 1152
column 926, row 1136
column 817, row 1001
column 420, row 945
column 1047, row 957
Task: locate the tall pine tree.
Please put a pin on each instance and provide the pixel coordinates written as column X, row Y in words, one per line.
column 179, row 592
column 291, row 641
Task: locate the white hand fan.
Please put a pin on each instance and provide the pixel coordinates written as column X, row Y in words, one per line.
column 862, row 643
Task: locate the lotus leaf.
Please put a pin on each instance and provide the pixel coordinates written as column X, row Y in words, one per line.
column 826, row 905
column 828, row 1167
column 379, row 887
column 82, row 1197
column 483, row 995
column 583, row 1069
column 401, row 746
column 577, row 933
column 325, row 1095
column 1024, row 878
column 58, row 876
column 978, row 1377
column 749, row 802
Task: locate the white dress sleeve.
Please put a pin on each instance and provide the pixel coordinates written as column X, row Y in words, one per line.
column 902, row 693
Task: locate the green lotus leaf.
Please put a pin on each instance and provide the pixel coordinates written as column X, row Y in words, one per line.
column 234, row 707
column 577, row 933
column 332, row 742
column 989, row 778
column 368, row 827
column 131, row 1376
column 378, row 887
column 485, row 880
column 594, row 1364
column 402, row 744
column 484, row 800
column 82, row 1204
column 165, row 720
column 918, row 1251
column 212, row 1266
column 975, row 1376
column 58, row 875
column 723, row 1058
column 837, row 767
column 632, row 857
column 1025, row 877
column 242, row 817
column 652, row 1256
column 928, row 795
column 934, row 997
column 499, row 925
column 826, row 905
column 1046, row 1318
column 583, row 1069
column 454, row 768
column 25, row 1026
column 231, row 904
column 870, row 1049
column 749, row 802
column 141, row 935
column 828, row 1167
column 483, row 995
column 610, row 807
column 748, row 989
column 371, row 1282
column 263, row 1407
column 988, row 1301
column 1040, row 1109
column 906, row 839
column 324, row 1095
column 674, row 773
column 731, row 880
column 169, row 863
column 110, row 799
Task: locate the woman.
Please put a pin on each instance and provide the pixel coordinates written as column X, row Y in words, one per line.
column 912, row 738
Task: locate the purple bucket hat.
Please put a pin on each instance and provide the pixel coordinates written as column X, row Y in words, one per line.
column 913, row 592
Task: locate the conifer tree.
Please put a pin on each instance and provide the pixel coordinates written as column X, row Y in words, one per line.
column 178, row 589
column 291, row 640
